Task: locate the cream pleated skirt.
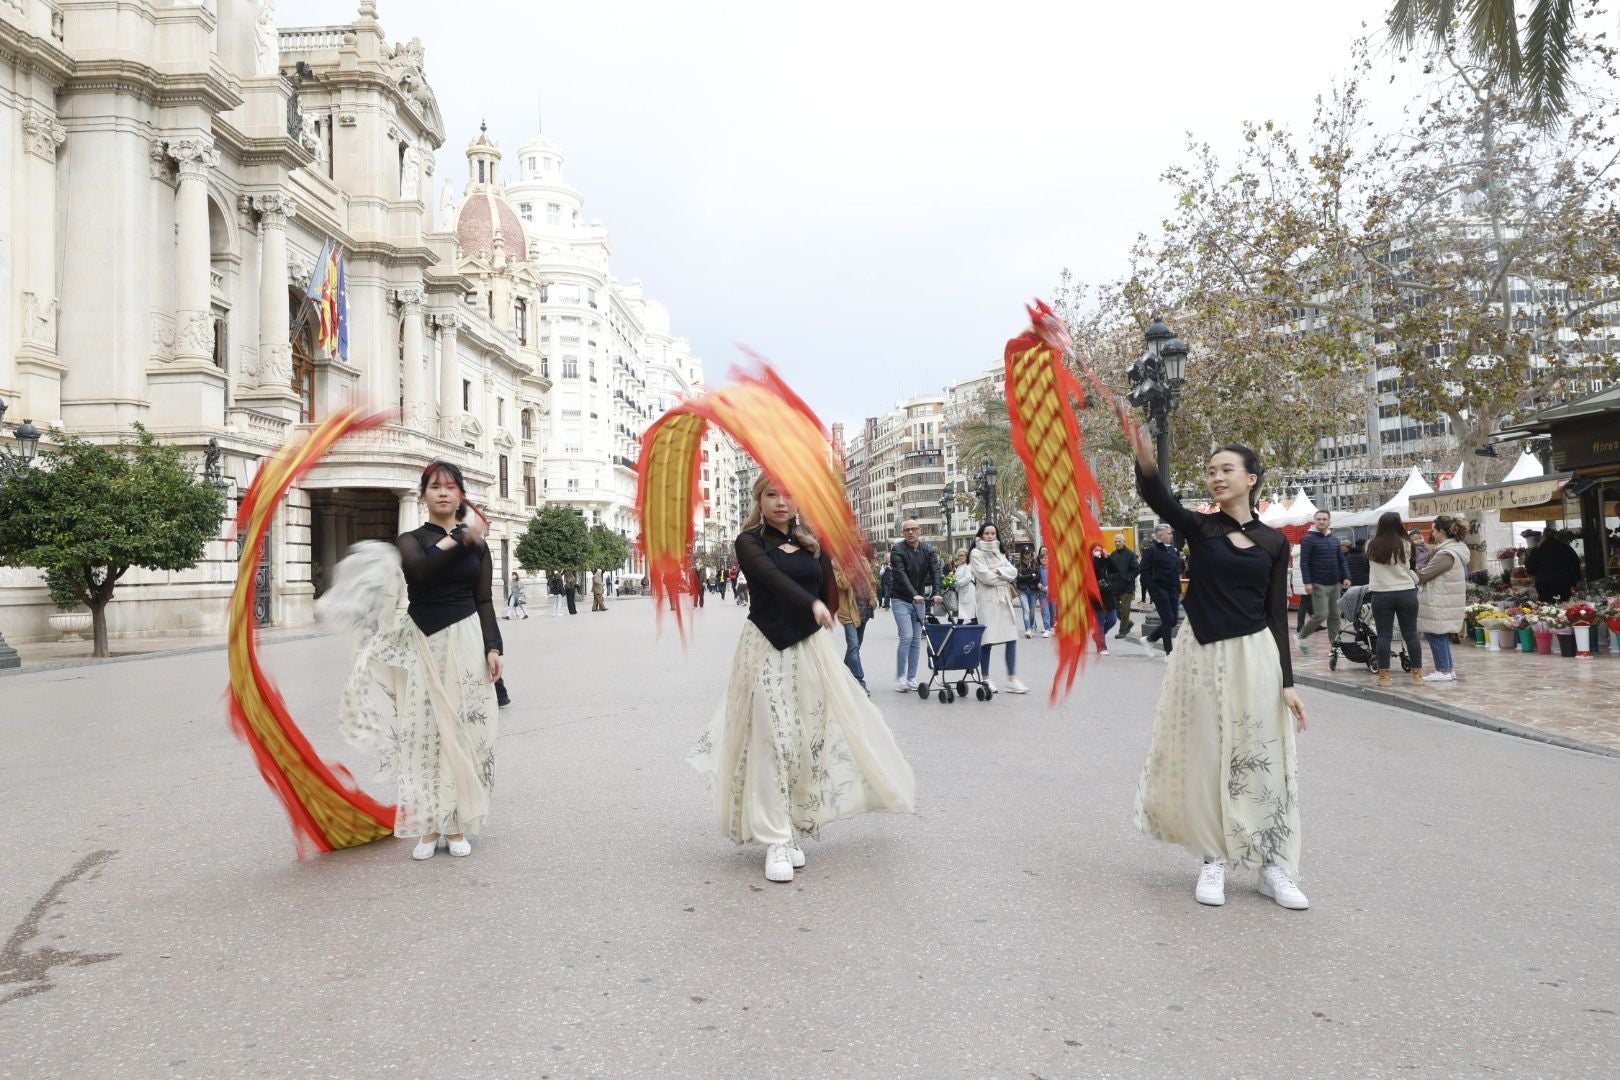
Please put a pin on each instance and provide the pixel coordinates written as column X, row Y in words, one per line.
column 1221, row 777
column 424, row 704
column 833, row 754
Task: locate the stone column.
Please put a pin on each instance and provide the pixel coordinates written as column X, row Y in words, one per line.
column 488, row 420
column 410, row 512
column 410, row 313
column 193, row 318
column 275, row 322
column 326, row 556
column 37, row 375
column 449, row 377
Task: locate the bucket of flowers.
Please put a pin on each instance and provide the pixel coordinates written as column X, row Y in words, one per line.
column 1553, row 617
column 1581, row 616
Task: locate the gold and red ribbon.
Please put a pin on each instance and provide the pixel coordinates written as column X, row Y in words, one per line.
column 327, row 808
column 1046, row 435
column 782, row 434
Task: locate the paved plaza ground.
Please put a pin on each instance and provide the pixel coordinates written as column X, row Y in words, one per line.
column 1463, row 888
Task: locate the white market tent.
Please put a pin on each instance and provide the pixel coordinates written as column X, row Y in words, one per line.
column 1300, row 512
column 1400, row 503
column 1526, row 468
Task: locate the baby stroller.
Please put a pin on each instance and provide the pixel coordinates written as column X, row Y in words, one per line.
column 953, row 648
column 1358, row 641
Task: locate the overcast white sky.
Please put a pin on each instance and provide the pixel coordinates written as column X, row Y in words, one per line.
column 868, row 192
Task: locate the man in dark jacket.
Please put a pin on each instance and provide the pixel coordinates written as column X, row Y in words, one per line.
column 1161, row 572
column 1124, row 566
column 1326, row 574
column 1554, row 566
column 1355, row 557
column 914, row 576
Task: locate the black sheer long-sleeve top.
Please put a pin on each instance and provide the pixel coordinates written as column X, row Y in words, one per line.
column 1231, row 591
column 783, row 586
column 445, row 585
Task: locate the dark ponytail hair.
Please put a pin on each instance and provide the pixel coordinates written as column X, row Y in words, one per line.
column 446, row 470
column 1251, row 464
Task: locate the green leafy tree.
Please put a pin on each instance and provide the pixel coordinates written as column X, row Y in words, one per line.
column 89, row 512
column 605, row 549
column 1470, row 250
column 554, row 541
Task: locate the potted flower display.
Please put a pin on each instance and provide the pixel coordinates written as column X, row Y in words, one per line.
column 70, row 622
column 1581, row 616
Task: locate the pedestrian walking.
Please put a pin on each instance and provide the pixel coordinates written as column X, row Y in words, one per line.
column 422, row 690
column 697, row 586
column 996, row 603
column 1393, row 584
column 1161, row 567
column 852, row 616
column 1444, row 593
column 914, row 576
column 514, row 598
column 1554, row 567
column 1125, row 566
column 571, row 590
column 883, row 587
column 1326, row 574
column 1355, row 557
column 1106, row 609
column 554, row 585
column 742, row 588
column 1220, row 779
column 795, row 744
column 1048, row 602
column 598, row 592
column 1028, row 584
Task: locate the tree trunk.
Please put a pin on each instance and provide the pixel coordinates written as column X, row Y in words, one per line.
column 98, row 621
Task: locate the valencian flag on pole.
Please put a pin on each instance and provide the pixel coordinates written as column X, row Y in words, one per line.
column 329, row 292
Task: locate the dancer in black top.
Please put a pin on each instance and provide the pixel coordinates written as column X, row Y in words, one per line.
column 796, row 743
column 1220, row 778
column 422, row 692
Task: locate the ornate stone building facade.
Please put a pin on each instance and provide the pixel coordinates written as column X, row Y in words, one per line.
column 172, row 171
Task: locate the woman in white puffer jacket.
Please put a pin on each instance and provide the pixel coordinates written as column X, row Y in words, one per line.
column 1444, row 581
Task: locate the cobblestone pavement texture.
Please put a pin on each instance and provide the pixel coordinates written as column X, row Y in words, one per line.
column 1563, row 696
column 1462, row 883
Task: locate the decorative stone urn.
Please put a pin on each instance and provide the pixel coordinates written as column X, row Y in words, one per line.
column 71, row 625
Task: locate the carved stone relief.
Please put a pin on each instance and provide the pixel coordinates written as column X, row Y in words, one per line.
column 39, row 321
column 194, row 336
column 42, row 134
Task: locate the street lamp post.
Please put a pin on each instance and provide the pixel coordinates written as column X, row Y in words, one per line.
column 947, row 503
column 1156, row 382
column 986, row 490
column 27, row 445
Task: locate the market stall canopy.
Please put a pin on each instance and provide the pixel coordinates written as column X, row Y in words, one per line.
column 1455, row 480
column 1274, row 512
column 1530, row 498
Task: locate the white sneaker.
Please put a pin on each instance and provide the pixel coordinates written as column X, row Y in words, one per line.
column 796, row 854
column 1275, row 883
column 911, row 684
column 1016, row 685
column 461, row 848
column 1103, row 653
column 1440, row 676
column 1046, row 633
column 1147, row 648
column 1029, row 633
column 990, row 686
column 901, row 686
column 1211, row 888
column 778, row 863
column 425, row 849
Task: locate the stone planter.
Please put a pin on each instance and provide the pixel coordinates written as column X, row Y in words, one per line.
column 71, row 625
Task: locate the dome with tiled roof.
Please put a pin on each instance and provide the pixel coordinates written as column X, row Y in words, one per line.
column 486, row 224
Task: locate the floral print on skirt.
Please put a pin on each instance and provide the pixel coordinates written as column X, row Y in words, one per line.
column 835, row 757
column 1221, row 777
